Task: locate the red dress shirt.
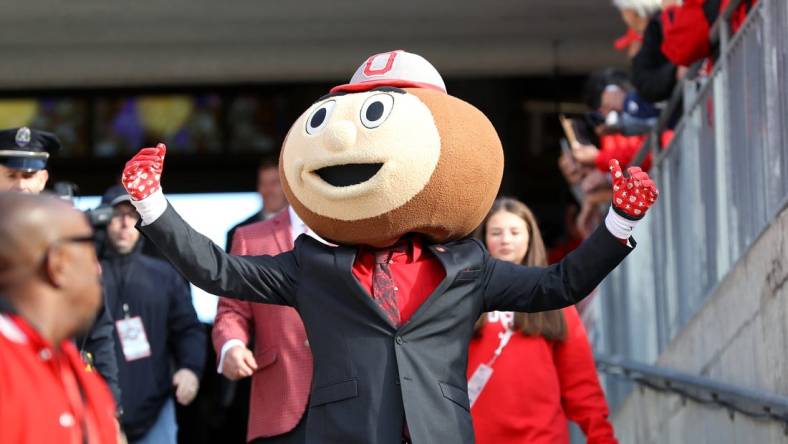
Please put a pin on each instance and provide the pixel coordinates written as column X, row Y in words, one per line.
column 536, row 386
column 416, row 271
column 47, row 396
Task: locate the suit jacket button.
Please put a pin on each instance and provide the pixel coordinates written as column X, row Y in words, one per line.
column 399, row 340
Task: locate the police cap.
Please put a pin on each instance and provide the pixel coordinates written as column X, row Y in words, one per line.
column 27, row 149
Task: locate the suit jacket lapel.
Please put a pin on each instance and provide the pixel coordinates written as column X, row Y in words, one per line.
column 344, row 257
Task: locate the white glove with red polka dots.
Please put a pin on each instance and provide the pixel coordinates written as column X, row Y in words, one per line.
column 142, row 180
column 632, row 197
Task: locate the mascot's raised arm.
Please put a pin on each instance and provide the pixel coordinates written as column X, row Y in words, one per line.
column 397, row 173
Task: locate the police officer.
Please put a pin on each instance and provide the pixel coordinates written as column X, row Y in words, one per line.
column 24, row 153
column 23, row 159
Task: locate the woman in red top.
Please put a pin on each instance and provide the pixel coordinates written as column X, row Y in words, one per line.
column 529, row 373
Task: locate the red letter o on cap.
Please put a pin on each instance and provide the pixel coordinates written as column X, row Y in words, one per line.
column 369, row 71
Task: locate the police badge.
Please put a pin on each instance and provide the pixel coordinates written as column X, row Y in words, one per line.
column 22, row 137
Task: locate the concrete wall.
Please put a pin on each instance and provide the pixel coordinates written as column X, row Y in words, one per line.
column 739, row 337
column 96, row 43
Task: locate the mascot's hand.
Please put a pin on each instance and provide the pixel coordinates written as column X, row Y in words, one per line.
column 142, row 180
column 633, row 195
column 142, row 174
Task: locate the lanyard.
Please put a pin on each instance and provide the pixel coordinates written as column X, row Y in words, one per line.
column 481, row 376
column 120, row 271
column 504, row 337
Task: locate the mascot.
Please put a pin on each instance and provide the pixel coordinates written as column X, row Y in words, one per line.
column 396, row 173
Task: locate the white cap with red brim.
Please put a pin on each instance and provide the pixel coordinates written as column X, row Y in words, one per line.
column 395, row 68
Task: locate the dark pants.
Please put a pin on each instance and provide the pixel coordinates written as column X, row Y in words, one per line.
column 295, row 436
column 220, row 411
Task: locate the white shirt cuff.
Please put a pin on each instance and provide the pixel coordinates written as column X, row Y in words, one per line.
column 227, row 346
column 151, row 207
column 619, row 226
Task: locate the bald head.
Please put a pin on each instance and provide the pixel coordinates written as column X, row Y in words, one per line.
column 28, row 224
column 48, row 266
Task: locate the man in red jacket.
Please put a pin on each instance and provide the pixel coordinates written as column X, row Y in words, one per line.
column 281, row 363
column 49, row 291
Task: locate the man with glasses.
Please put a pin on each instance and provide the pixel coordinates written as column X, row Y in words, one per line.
column 49, row 291
column 155, row 323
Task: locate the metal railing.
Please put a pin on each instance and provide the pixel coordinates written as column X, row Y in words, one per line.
column 753, row 403
column 723, row 179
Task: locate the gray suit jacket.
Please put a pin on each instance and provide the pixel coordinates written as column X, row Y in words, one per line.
column 368, row 375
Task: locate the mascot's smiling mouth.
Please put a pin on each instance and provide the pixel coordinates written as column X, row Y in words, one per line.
column 348, row 174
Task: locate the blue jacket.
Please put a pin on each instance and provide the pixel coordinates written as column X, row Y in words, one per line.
column 154, row 291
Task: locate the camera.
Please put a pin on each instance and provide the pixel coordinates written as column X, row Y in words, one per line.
column 97, row 217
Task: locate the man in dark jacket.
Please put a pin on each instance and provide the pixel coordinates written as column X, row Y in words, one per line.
column 155, row 323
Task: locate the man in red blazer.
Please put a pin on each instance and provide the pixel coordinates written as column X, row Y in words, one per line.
column 281, row 362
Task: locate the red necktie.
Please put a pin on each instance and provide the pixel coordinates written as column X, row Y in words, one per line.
column 384, row 289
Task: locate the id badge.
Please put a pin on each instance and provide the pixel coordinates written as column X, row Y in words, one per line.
column 478, row 381
column 133, row 340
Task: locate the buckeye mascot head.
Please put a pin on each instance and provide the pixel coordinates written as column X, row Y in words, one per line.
column 391, row 153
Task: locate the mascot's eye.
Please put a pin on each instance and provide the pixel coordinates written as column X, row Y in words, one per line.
column 319, row 117
column 376, row 109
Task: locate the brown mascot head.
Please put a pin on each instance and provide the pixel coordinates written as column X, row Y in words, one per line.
column 389, row 154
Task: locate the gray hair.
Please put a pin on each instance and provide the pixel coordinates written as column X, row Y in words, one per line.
column 644, row 8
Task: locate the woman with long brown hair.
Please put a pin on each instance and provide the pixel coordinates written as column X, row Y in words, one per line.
column 530, row 373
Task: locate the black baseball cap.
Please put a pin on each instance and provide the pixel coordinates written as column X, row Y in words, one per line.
column 115, row 195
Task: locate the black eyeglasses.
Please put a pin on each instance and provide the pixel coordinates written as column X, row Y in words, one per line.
column 91, row 238
column 86, row 238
